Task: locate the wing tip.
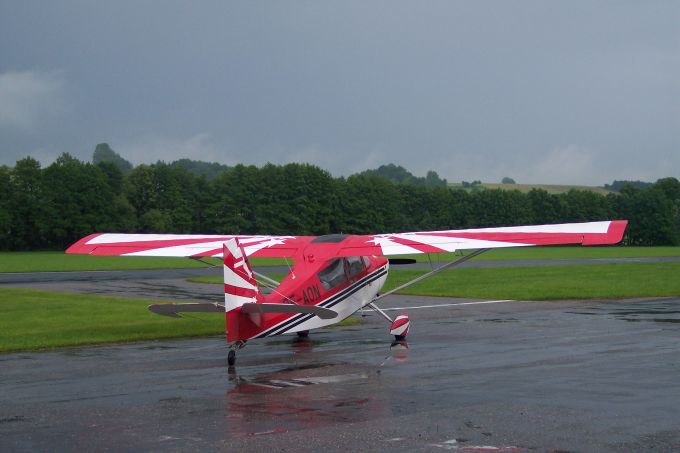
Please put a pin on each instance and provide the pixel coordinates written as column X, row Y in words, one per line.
column 614, row 234
column 81, row 247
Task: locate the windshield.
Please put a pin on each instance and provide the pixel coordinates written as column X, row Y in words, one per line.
column 333, row 275
column 354, row 265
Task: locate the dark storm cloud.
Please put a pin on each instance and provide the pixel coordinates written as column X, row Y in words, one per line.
column 581, row 92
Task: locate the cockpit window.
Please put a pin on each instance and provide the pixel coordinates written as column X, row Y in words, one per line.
column 354, row 265
column 333, row 275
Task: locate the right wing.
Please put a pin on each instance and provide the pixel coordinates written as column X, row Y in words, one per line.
column 586, row 233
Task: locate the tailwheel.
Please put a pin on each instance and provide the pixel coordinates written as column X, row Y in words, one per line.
column 400, row 327
column 231, row 356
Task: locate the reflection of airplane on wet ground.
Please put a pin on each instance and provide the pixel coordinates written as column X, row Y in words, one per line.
column 333, row 276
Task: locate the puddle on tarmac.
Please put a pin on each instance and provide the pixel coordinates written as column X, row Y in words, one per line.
column 497, row 320
column 660, row 311
column 301, row 397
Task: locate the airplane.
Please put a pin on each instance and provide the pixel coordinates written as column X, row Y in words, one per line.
column 333, row 276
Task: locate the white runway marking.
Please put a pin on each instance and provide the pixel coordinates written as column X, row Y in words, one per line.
column 445, row 305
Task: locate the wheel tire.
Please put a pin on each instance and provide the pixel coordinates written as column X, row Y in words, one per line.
column 231, row 358
column 303, row 334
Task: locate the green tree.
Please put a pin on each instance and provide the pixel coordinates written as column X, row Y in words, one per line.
column 369, row 204
column 498, row 207
column 651, row 216
column 583, row 206
column 30, row 221
column 79, row 200
column 5, row 208
column 546, row 208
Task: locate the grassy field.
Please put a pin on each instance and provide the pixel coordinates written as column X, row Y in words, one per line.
column 524, row 188
column 33, row 319
column 590, row 281
column 556, row 253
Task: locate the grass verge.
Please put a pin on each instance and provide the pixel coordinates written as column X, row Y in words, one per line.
column 589, row 281
column 33, row 319
column 557, row 253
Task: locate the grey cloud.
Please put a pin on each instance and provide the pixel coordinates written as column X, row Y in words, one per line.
column 470, row 89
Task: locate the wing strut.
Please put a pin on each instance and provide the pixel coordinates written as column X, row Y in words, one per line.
column 431, row 273
column 377, row 309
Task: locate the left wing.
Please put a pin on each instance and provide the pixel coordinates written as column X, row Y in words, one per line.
column 588, row 233
column 186, row 245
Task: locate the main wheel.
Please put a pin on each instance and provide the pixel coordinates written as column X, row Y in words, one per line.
column 231, row 357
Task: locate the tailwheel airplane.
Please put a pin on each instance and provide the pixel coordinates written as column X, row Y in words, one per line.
column 333, row 275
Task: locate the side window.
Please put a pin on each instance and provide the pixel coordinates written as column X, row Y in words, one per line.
column 354, row 265
column 333, row 275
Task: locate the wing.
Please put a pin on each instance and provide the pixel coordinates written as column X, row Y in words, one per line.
column 186, row 245
column 589, row 233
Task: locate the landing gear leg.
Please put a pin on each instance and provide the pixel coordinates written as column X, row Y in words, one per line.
column 231, row 356
column 400, row 324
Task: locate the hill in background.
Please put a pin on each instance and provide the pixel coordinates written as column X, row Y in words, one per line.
column 391, row 172
column 399, row 175
column 104, row 153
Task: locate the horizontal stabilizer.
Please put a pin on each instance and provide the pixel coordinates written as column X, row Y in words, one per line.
column 323, row 313
column 171, row 310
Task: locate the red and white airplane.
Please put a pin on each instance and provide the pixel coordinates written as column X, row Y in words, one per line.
column 333, row 276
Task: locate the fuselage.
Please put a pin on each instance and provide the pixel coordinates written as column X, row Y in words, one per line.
column 319, row 277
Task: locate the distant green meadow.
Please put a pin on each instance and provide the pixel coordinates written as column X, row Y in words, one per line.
column 526, row 188
column 59, row 261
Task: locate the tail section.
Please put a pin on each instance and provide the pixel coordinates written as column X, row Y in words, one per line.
column 240, row 286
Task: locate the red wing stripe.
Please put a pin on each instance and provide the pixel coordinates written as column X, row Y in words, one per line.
column 519, row 238
column 424, row 248
column 238, row 291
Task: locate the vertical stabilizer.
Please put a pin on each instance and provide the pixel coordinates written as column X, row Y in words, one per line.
column 240, row 286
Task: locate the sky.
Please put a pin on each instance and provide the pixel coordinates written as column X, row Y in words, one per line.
column 557, row 92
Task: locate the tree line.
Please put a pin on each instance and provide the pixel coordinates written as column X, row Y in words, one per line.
column 50, row 208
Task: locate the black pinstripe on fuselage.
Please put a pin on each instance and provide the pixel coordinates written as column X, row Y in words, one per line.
column 335, row 299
